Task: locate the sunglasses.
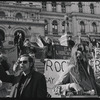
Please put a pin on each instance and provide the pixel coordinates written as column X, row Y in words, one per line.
column 24, row 62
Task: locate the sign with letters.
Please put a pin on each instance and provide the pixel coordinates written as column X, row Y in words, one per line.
column 52, row 71
column 97, row 63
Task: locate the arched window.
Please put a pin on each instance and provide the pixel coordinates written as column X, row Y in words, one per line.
column 63, row 27
column 92, row 8
column 80, row 7
column 55, row 27
column 2, row 14
column 54, row 6
column 82, row 27
column 63, row 7
column 19, row 16
column 46, row 27
column 44, row 6
column 94, row 27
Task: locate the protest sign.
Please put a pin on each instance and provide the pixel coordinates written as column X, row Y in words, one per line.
column 53, row 69
column 97, row 63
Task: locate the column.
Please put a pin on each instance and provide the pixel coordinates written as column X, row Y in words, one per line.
column 98, row 30
column 91, row 28
column 86, row 7
column 87, row 26
column 74, row 7
column 50, row 32
column 60, row 27
column 78, row 26
column 49, row 26
column 49, row 7
column 74, row 26
column 58, row 6
column 97, row 9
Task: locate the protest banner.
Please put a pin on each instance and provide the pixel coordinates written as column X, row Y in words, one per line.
column 53, row 69
column 97, row 63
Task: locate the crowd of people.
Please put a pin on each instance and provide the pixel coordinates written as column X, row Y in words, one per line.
column 27, row 82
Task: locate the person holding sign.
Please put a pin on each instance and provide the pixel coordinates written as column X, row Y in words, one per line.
column 79, row 78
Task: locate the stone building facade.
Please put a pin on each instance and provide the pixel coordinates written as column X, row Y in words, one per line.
column 17, row 17
column 83, row 18
column 48, row 19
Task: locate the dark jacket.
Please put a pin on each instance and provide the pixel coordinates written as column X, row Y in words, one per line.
column 5, row 65
column 4, row 77
column 34, row 86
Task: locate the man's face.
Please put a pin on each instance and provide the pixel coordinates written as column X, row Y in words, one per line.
column 24, row 64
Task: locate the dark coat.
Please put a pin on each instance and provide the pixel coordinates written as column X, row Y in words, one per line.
column 4, row 77
column 34, row 87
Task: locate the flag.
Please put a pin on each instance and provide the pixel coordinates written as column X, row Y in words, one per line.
column 39, row 42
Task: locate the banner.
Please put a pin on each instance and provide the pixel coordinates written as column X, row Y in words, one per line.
column 97, row 63
column 52, row 71
column 63, row 40
column 11, row 54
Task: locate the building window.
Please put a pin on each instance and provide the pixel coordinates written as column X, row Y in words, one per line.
column 19, row 16
column 94, row 27
column 82, row 27
column 92, row 8
column 80, row 7
column 46, row 27
column 63, row 27
column 55, row 27
column 54, row 6
column 44, row 6
column 2, row 14
column 63, row 7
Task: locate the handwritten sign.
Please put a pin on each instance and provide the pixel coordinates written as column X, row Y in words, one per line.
column 97, row 63
column 52, row 71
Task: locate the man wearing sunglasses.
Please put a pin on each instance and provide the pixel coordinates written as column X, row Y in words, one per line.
column 32, row 83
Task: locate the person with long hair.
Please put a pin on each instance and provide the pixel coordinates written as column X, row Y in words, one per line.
column 32, row 84
column 79, row 77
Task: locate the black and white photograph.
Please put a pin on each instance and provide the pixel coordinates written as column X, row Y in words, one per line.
column 49, row 49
